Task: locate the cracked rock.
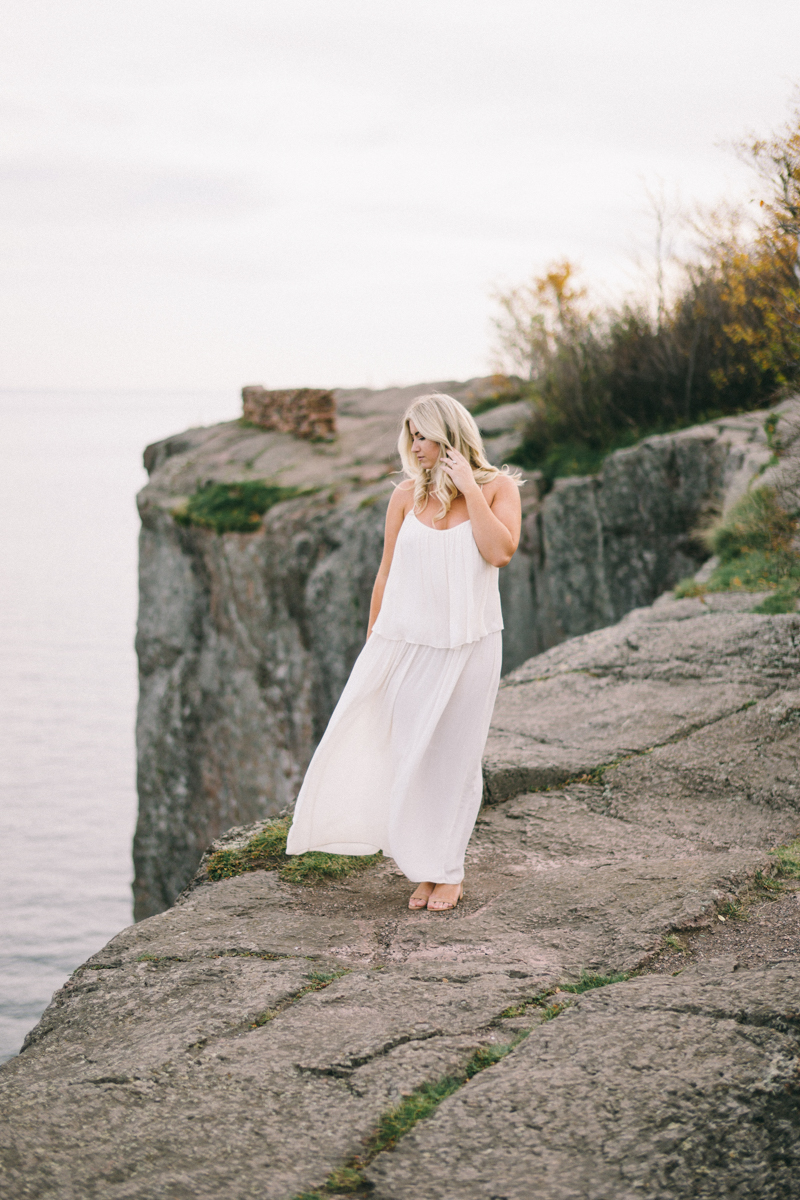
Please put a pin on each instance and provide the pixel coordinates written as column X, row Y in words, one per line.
column 247, row 1041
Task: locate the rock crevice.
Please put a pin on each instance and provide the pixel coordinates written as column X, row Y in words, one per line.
column 169, row 1063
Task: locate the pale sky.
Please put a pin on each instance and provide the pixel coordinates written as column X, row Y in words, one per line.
column 205, row 193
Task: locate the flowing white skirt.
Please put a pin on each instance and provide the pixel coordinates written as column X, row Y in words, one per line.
column 399, row 766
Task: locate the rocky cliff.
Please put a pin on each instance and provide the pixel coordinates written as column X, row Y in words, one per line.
column 269, row 1041
column 246, row 639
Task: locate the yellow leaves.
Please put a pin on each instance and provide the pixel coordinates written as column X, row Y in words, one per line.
column 536, row 314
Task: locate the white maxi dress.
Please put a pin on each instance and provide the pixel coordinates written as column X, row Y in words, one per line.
column 399, row 766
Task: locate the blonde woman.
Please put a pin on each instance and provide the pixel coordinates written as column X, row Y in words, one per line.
column 399, row 766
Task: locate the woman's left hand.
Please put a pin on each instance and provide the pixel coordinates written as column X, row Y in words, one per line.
column 456, row 466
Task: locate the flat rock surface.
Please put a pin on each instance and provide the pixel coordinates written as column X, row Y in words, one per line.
column 655, row 1087
column 246, row 1041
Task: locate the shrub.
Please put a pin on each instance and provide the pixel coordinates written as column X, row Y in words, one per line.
column 754, row 543
column 727, row 341
column 755, row 524
column 233, row 507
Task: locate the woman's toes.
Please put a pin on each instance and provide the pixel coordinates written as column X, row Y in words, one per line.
column 419, row 897
column 444, row 896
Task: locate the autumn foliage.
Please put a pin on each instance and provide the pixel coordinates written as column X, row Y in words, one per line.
column 728, row 340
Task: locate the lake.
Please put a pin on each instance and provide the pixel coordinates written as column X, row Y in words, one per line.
column 68, row 531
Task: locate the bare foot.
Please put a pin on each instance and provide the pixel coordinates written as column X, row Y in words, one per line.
column 445, row 896
column 419, row 897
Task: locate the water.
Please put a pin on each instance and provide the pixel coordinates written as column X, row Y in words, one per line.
column 71, row 467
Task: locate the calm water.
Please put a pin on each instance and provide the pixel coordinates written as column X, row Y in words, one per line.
column 71, row 467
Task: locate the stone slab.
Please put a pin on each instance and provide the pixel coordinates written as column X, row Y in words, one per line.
column 246, row 1041
column 662, row 1088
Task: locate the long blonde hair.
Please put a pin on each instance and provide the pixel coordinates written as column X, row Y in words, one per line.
column 442, row 419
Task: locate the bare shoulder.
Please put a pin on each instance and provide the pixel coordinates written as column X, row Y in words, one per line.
column 401, row 498
column 502, row 488
column 400, row 503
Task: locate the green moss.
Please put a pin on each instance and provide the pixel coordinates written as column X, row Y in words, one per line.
column 788, row 859
column 782, row 600
column 755, row 523
column 690, row 589
column 768, row 883
column 674, row 942
column 770, row 428
column 754, row 546
column 266, row 851
column 264, row 1018
column 233, row 507
column 399, row 1120
column 344, row 1179
column 587, row 981
column 315, row 867
column 317, row 980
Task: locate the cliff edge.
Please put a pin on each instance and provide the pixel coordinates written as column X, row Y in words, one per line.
column 265, row 1040
column 245, row 639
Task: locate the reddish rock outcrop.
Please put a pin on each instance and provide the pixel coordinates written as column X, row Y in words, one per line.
column 305, row 412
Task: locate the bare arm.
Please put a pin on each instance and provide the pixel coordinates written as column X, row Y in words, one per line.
column 495, row 512
column 399, row 503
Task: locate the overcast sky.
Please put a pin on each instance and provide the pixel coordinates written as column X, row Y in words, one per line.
column 203, row 193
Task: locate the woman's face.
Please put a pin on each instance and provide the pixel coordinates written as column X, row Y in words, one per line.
column 425, row 451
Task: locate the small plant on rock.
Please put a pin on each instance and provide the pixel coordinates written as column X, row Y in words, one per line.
column 754, row 544
column 266, row 851
column 233, row 507
column 788, row 859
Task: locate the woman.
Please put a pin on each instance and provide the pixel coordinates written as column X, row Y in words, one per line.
column 399, row 766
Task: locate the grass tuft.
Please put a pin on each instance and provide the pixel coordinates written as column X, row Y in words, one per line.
column 266, row 851
column 768, row 883
column 754, row 546
column 674, row 942
column 690, row 589
column 397, row 1121
column 595, row 776
column 233, row 507
column 588, row 980
column 487, row 1056
column 788, row 859
column 782, row 600
column 317, row 980
column 264, row 1018
column 315, row 867
column 345, row 1179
